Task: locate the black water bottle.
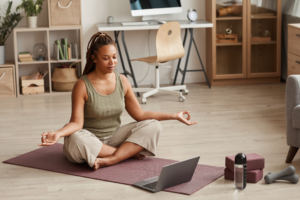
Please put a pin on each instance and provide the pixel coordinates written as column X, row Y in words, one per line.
column 240, row 171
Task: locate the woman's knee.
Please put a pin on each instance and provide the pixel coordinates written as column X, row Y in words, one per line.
column 156, row 126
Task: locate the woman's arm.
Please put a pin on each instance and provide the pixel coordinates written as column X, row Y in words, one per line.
column 136, row 112
column 79, row 96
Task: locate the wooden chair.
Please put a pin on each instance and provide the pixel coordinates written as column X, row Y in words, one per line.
column 168, row 47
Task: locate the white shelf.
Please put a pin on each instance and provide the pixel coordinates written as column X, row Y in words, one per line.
column 24, row 40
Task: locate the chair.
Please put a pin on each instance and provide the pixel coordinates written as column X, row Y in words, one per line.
column 168, row 47
column 292, row 102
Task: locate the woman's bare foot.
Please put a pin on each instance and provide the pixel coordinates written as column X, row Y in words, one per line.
column 100, row 162
column 138, row 156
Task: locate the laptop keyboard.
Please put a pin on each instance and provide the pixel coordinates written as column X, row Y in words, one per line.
column 150, row 185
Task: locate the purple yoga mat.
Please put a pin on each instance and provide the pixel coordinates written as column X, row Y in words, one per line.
column 126, row 172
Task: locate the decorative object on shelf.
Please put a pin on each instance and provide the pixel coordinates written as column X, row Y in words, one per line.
column 229, row 31
column 25, row 56
column 64, row 51
column 64, row 79
column 192, row 15
column 266, row 33
column 32, row 9
column 224, row 38
column 265, row 37
column 8, row 22
column 235, row 9
column 110, row 19
column 40, row 51
column 64, row 12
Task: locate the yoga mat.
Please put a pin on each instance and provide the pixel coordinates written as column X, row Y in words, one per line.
column 126, row 172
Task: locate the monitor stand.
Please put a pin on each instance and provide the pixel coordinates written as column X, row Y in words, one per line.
column 150, row 19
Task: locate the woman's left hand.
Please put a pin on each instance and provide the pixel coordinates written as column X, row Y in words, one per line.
column 181, row 118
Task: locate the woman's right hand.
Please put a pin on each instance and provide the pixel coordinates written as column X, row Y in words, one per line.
column 49, row 138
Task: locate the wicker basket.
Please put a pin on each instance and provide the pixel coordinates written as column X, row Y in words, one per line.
column 64, row 79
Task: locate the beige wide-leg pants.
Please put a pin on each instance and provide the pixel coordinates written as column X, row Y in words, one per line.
column 84, row 146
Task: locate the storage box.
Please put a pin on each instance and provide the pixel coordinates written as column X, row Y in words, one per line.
column 39, row 88
column 7, row 81
column 223, row 38
column 64, row 12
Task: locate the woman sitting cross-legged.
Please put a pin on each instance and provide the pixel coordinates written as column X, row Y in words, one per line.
column 94, row 134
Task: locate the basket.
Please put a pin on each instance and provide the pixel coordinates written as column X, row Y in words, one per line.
column 64, row 12
column 64, row 79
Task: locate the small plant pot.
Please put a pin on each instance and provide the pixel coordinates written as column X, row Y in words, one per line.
column 2, row 54
column 32, row 22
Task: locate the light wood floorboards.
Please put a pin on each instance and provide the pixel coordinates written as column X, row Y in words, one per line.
column 232, row 119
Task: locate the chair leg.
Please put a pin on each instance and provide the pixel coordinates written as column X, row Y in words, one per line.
column 291, row 154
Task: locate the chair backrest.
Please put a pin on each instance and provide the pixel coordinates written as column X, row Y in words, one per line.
column 168, row 42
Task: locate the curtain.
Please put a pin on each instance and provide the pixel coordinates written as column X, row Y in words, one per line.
column 268, row 4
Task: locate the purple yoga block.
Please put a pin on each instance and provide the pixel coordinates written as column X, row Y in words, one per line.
column 254, row 161
column 253, row 176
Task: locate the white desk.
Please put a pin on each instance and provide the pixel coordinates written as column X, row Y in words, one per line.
column 117, row 26
column 184, row 24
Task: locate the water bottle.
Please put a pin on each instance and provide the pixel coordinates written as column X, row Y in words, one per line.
column 240, row 171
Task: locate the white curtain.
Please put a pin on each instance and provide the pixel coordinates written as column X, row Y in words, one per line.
column 269, row 4
column 296, row 9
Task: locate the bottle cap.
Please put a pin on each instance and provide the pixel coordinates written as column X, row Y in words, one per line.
column 240, row 159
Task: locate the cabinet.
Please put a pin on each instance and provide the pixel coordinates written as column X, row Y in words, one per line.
column 255, row 56
column 293, row 49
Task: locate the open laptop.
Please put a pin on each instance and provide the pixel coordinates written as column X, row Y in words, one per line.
column 170, row 175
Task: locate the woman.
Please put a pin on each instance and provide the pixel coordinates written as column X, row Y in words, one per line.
column 94, row 134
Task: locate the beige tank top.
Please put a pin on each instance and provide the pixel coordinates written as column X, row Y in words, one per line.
column 102, row 113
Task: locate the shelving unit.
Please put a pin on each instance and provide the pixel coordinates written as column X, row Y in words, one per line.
column 24, row 40
column 247, row 61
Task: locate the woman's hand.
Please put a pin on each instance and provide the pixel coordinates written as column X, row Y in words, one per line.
column 49, row 138
column 181, row 118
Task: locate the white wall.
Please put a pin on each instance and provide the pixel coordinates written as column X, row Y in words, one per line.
column 94, row 11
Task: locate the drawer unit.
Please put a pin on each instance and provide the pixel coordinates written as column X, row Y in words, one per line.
column 293, row 64
column 294, row 40
column 293, row 49
column 7, row 80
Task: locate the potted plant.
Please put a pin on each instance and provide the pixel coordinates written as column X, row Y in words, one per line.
column 8, row 21
column 32, row 9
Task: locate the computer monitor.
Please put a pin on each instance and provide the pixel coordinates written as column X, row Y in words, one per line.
column 148, row 8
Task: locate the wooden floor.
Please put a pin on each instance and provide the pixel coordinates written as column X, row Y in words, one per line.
column 232, row 119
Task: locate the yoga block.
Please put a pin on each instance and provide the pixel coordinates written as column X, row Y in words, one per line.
column 253, row 176
column 254, row 161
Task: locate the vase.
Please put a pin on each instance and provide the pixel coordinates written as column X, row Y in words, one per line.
column 2, row 54
column 32, row 22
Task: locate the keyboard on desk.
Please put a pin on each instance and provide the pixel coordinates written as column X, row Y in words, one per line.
column 134, row 23
column 150, row 185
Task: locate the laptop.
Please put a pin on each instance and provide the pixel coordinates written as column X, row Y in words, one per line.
column 170, row 175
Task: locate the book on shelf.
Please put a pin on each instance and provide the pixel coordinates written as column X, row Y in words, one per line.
column 59, row 50
column 64, row 42
column 25, row 57
column 37, row 75
column 74, row 51
column 33, row 75
column 69, row 52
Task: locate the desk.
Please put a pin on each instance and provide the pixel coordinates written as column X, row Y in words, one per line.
column 117, row 27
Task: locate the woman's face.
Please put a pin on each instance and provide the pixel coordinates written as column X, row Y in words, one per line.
column 106, row 59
